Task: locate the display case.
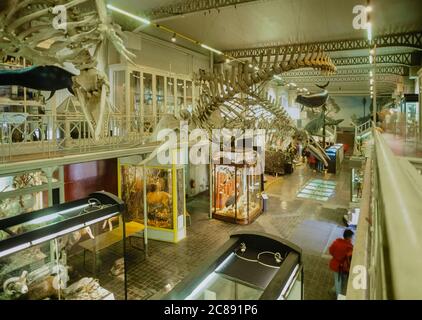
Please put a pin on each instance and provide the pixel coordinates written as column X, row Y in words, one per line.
column 250, row 266
column 336, row 155
column 145, row 95
column 72, row 251
column 237, row 187
column 160, row 200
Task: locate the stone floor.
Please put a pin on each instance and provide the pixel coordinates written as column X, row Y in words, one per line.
column 310, row 224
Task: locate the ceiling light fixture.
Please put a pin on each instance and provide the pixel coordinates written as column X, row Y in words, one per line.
column 111, row 7
column 369, row 26
column 250, row 65
column 173, row 39
column 211, row 49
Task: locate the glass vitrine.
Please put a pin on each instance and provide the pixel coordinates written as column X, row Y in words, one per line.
column 72, row 251
column 249, row 266
column 162, row 196
column 237, row 186
column 152, row 93
column 357, row 184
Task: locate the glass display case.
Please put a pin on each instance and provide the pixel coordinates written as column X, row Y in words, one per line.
column 160, row 201
column 72, row 251
column 237, row 187
column 250, row 266
column 146, row 94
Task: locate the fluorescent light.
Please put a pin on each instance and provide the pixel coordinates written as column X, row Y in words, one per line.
column 100, row 219
column 14, row 249
column 288, row 283
column 371, row 74
column 111, row 7
column 371, row 59
column 369, row 27
column 43, row 219
column 211, row 49
column 372, row 88
column 57, row 234
column 371, row 81
column 201, row 286
column 250, row 66
column 73, row 209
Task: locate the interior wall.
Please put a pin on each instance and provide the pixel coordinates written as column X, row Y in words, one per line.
column 81, row 179
column 199, row 174
column 159, row 54
column 349, row 106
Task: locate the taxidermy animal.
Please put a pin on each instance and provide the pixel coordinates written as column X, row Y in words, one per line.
column 314, row 100
column 16, row 286
column 43, row 78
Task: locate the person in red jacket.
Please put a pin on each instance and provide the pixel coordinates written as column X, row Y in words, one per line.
column 341, row 251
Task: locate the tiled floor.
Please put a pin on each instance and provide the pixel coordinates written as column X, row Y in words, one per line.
column 310, row 224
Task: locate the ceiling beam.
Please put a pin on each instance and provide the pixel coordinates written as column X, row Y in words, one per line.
column 191, row 6
column 409, row 40
column 404, row 59
column 362, row 79
column 393, row 70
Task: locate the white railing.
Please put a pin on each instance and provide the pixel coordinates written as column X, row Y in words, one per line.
column 47, row 135
column 394, row 259
column 360, row 130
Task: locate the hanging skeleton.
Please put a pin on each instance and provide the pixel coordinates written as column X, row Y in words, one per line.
column 27, row 30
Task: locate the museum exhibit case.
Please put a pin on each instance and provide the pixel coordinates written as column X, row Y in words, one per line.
column 237, row 184
column 249, row 266
column 70, row 251
column 146, row 94
column 159, row 198
column 336, row 155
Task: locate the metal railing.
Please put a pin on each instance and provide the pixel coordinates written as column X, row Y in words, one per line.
column 360, row 130
column 47, row 135
column 390, row 233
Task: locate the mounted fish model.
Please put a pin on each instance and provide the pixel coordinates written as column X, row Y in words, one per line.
column 27, row 30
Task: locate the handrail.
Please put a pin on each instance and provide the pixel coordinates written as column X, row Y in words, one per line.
column 362, row 239
column 400, row 218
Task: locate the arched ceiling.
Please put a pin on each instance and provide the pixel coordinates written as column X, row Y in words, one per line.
column 272, row 23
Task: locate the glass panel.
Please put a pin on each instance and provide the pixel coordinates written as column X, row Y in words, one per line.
column 170, row 96
column 180, row 192
column 255, row 201
column 94, row 256
column 220, row 288
column 224, row 196
column 242, row 200
column 132, row 191
column 148, row 106
column 22, row 271
column 189, row 96
column 119, row 89
column 135, row 100
column 159, row 198
column 160, row 95
column 180, row 94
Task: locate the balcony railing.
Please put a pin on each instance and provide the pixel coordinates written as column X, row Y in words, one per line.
column 48, row 136
column 387, row 259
